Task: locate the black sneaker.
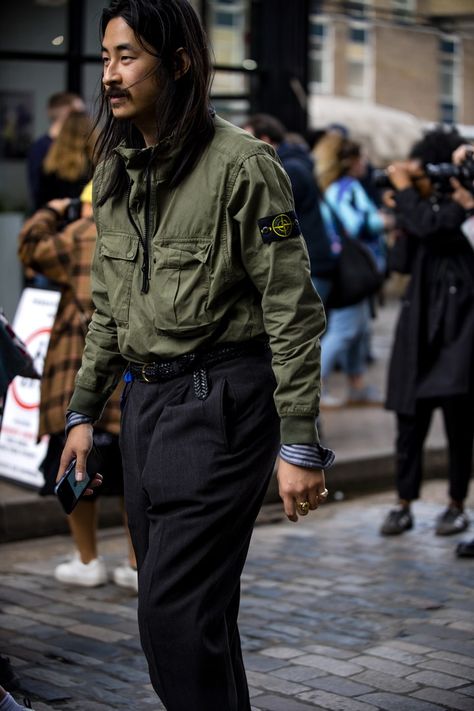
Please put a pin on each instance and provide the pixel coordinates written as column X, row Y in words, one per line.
column 465, row 549
column 396, row 522
column 453, row 520
column 8, row 679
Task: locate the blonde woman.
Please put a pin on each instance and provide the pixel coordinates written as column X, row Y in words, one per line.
column 67, row 166
column 339, row 164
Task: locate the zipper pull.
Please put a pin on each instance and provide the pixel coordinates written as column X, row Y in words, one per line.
column 145, row 280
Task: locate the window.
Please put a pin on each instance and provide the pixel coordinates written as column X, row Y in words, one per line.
column 227, row 27
column 30, row 27
column 449, row 79
column 359, row 61
column 404, row 10
column 321, row 62
column 360, row 9
column 228, row 33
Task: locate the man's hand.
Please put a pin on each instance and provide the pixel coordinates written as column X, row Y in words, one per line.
column 79, row 445
column 388, row 199
column 59, row 205
column 298, row 484
column 460, row 154
column 462, row 196
column 401, row 173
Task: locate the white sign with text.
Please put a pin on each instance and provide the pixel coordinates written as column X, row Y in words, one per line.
column 20, row 453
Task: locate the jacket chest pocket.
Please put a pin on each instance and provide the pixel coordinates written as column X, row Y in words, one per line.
column 182, row 277
column 118, row 255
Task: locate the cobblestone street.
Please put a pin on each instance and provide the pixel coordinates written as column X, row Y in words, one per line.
column 333, row 617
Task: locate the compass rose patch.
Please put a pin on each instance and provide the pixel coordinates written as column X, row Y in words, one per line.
column 276, row 228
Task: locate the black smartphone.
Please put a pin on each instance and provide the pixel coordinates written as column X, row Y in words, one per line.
column 68, row 490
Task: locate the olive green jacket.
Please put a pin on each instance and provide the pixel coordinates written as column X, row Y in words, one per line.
column 215, row 274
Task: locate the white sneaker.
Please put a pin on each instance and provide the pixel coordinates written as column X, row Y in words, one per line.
column 126, row 577
column 330, row 402
column 75, row 572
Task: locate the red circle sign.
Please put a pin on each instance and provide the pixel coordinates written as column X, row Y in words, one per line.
column 19, row 390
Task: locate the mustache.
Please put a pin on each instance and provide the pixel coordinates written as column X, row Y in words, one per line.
column 116, row 93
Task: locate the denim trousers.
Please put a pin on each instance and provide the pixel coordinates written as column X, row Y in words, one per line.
column 195, row 474
column 346, row 340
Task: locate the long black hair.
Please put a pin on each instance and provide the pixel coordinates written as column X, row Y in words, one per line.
column 437, row 145
column 183, row 113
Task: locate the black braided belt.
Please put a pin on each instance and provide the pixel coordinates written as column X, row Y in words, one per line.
column 163, row 370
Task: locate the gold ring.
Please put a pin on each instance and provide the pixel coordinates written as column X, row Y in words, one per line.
column 303, row 508
column 323, row 494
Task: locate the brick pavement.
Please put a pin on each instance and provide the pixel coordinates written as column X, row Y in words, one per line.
column 333, row 617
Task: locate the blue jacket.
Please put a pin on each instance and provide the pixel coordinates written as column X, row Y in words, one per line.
column 360, row 217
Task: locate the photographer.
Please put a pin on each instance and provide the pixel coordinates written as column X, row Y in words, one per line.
column 432, row 358
column 462, row 156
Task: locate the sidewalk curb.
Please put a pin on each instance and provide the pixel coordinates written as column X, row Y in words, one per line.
column 31, row 516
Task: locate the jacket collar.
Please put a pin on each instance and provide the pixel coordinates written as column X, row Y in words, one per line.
column 161, row 156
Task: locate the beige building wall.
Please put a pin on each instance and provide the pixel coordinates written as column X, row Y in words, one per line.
column 445, row 7
column 340, row 60
column 467, row 99
column 406, row 70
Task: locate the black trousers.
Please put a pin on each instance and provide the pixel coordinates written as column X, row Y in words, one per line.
column 458, row 414
column 195, row 476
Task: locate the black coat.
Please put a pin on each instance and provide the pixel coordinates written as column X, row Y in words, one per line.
column 433, row 351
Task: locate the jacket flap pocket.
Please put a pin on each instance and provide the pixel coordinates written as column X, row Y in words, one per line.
column 118, row 245
column 185, row 258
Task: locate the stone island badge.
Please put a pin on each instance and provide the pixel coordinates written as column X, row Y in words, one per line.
column 276, row 228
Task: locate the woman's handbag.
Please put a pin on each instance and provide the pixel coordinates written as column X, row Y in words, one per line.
column 356, row 275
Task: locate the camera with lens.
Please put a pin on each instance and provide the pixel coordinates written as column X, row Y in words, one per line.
column 73, row 211
column 440, row 174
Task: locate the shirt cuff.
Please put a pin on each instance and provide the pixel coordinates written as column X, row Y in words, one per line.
column 76, row 418
column 310, row 456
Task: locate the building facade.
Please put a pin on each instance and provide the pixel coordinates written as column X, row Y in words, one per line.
column 411, row 55
column 269, row 55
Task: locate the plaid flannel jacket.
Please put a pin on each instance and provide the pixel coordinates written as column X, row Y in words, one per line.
column 65, row 258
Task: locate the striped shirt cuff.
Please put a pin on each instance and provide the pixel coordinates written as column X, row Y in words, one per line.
column 311, row 456
column 76, row 418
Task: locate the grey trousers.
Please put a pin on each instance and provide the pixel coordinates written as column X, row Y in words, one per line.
column 195, row 476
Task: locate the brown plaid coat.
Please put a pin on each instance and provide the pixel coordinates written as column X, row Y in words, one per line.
column 64, row 258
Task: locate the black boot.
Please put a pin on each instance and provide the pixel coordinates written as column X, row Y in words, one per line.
column 465, row 549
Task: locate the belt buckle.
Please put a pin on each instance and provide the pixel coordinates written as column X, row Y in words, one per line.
column 144, row 376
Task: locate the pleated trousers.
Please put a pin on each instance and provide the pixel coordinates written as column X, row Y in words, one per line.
column 195, row 474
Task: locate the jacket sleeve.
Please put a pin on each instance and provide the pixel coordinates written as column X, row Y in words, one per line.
column 417, row 217
column 44, row 249
column 292, row 312
column 102, row 364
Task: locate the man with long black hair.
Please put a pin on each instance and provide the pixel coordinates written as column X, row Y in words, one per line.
column 202, row 292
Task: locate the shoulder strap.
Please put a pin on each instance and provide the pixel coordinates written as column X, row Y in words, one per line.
column 344, row 185
column 341, row 230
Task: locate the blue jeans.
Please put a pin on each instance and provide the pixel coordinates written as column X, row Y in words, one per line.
column 323, row 287
column 346, row 340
